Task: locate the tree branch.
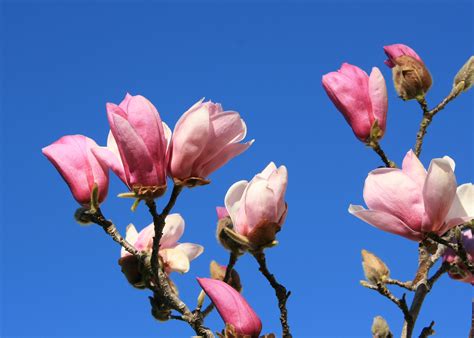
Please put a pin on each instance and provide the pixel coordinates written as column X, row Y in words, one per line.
column 280, row 291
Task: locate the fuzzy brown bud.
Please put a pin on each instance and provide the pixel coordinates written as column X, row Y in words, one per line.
column 375, row 270
column 465, row 77
column 218, row 271
column 131, row 269
column 411, row 78
column 223, row 237
column 380, row 328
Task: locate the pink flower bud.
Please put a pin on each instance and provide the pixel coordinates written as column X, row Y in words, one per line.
column 137, row 145
column 362, row 99
column 410, row 76
column 72, row 157
column 205, row 138
column 257, row 208
column 459, row 271
column 411, row 202
column 232, row 307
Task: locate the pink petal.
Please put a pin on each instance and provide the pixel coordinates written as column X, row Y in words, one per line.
column 394, row 192
column 378, row 97
column 145, row 120
column 260, row 203
column 348, row 90
column 385, row 221
column 225, row 127
column 412, row 167
column 269, row 169
column 72, row 157
column 190, row 137
column 278, row 182
column 134, row 153
column 144, row 240
column 109, row 159
column 438, row 194
column 222, row 212
column 224, row 156
column 232, row 307
column 396, row 50
column 172, row 231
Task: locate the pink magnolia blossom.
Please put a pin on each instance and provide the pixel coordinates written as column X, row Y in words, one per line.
column 459, row 271
column 257, row 208
column 361, row 98
column 137, row 145
column 411, row 202
column 232, row 307
column 396, row 50
column 72, row 157
column 205, row 138
column 176, row 256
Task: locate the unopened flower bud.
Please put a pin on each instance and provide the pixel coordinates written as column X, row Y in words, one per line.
column 380, row 328
column 411, row 78
column 375, row 270
column 82, row 216
column 218, row 271
column 465, row 77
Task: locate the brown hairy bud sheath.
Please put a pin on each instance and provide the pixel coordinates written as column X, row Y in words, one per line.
column 224, row 239
column 411, row 78
column 217, row 271
column 380, row 328
column 130, row 267
column 375, row 270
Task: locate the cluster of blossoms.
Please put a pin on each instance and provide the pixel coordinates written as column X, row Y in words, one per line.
column 410, row 202
column 143, row 152
column 426, row 206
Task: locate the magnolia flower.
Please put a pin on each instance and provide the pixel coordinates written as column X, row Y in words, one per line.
column 257, row 208
column 72, row 157
column 176, row 256
column 362, row 99
column 459, row 271
column 411, row 202
column 137, row 145
column 237, row 314
column 205, row 138
column 410, row 76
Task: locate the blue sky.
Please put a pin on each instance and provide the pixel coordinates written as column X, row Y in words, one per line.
column 61, row 62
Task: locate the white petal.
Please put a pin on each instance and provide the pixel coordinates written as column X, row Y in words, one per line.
column 131, row 235
column 172, row 231
column 233, row 198
column 191, row 250
column 175, row 260
column 463, row 204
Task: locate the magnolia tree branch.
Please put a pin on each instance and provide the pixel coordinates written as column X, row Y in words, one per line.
column 428, row 117
column 164, row 295
column 384, row 291
column 375, row 145
column 280, row 291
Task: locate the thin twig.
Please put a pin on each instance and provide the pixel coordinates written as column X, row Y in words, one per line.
column 428, row 117
column 427, row 331
column 375, row 145
column 406, row 285
column 280, row 291
column 384, row 291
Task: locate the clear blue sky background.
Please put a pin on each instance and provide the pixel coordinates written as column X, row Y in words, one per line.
column 63, row 61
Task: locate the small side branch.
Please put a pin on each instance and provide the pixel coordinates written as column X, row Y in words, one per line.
column 375, row 145
column 428, row 117
column 427, row 331
column 384, row 291
column 280, row 291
